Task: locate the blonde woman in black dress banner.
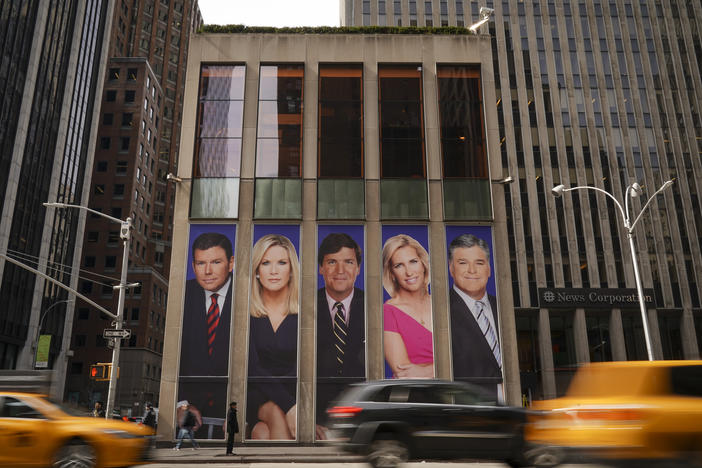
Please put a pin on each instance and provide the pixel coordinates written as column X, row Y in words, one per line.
column 271, row 412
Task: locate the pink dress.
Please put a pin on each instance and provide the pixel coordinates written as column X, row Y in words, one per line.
column 418, row 340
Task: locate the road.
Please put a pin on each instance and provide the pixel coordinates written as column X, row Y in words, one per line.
column 349, row 465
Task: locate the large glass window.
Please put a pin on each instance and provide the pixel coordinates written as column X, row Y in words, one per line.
column 279, row 140
column 598, row 338
column 217, row 160
column 402, row 154
column 527, row 323
column 340, row 191
column 463, row 155
column 634, row 339
column 670, row 326
column 563, row 343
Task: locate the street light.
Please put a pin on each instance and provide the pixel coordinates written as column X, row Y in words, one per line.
column 485, row 14
column 632, row 191
column 41, row 321
column 124, row 234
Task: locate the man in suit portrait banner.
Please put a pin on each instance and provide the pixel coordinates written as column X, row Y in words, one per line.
column 475, row 322
column 341, row 329
column 207, row 309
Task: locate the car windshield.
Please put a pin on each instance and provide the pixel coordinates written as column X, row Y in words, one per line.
column 68, row 409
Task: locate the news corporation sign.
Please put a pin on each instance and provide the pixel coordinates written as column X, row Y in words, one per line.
column 586, row 298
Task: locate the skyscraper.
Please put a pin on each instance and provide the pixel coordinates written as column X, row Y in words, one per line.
column 602, row 94
column 53, row 63
column 137, row 146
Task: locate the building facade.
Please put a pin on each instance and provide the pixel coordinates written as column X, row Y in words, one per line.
column 137, row 146
column 122, row 186
column 602, row 94
column 53, row 68
column 295, row 142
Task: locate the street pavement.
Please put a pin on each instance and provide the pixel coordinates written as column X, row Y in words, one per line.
column 266, row 456
column 251, row 454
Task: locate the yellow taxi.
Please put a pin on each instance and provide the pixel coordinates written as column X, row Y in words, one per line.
column 37, row 432
column 616, row 411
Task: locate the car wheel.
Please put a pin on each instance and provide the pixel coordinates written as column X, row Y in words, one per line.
column 544, row 456
column 75, row 454
column 387, row 452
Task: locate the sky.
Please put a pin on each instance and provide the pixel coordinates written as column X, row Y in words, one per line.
column 276, row 13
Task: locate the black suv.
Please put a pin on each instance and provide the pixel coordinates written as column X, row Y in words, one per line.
column 391, row 421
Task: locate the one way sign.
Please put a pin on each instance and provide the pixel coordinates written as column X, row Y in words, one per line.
column 115, row 333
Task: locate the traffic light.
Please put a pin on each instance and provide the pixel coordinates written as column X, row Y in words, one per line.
column 100, row 371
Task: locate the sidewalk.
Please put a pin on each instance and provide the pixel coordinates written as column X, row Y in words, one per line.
column 251, row 454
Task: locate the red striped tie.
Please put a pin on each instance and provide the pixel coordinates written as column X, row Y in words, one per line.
column 212, row 322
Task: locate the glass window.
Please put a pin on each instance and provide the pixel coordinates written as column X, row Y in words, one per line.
column 132, row 74
column 340, row 141
column 462, row 129
column 215, row 198
column 220, row 121
column 14, row 408
column 563, row 344
column 279, row 142
column 403, row 190
column 113, row 74
column 670, row 326
column 598, row 336
column 127, row 119
column 527, row 324
column 401, row 122
column 129, row 95
column 111, row 95
column 108, row 118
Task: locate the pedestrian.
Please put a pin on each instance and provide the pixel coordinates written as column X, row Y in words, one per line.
column 232, row 427
column 189, row 423
column 98, row 410
column 150, row 417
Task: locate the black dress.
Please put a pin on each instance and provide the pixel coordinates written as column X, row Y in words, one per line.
column 272, row 366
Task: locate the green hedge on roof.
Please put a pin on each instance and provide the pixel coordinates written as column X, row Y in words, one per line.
column 241, row 29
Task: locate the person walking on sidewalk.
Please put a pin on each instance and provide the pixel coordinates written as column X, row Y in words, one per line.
column 232, row 427
column 189, row 424
column 149, row 418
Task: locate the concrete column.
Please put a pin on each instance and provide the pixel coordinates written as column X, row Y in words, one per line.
column 548, row 378
column 582, row 348
column 616, row 336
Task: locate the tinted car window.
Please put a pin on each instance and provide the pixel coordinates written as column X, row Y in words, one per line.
column 686, row 380
column 398, row 394
column 470, row 396
column 14, row 408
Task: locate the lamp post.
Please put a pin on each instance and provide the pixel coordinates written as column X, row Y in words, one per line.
column 41, row 321
column 632, row 191
column 125, row 235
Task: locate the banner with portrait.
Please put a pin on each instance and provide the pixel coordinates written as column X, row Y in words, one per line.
column 476, row 347
column 341, row 315
column 206, row 329
column 274, row 306
column 408, row 341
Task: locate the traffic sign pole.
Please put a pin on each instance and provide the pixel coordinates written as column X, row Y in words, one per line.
column 125, row 235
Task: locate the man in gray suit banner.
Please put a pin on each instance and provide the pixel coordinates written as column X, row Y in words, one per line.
column 474, row 319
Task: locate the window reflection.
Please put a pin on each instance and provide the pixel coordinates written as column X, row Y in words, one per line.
column 340, row 143
column 217, row 158
column 279, row 142
column 401, row 122
column 461, row 120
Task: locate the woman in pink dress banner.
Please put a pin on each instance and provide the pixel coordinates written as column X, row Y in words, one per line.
column 407, row 315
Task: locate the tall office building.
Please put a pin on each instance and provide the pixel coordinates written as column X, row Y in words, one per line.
column 137, row 146
column 599, row 93
column 52, row 67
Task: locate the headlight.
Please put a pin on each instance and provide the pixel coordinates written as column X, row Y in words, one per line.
column 121, row 434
